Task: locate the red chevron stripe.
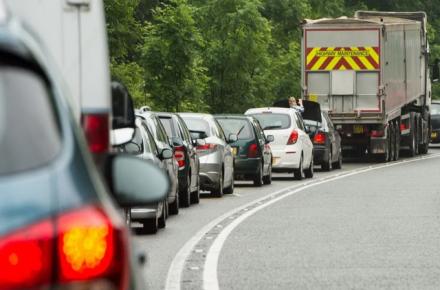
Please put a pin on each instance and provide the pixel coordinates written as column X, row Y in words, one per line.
column 315, row 59
column 344, row 63
column 328, row 60
column 359, row 62
column 370, row 59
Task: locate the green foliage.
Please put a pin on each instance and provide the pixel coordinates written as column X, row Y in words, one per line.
column 174, row 73
column 225, row 55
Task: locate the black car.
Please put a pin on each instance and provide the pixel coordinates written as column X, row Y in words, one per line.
column 327, row 150
column 186, row 154
column 253, row 156
column 435, row 122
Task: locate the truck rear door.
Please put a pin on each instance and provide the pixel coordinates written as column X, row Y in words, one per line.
column 342, row 69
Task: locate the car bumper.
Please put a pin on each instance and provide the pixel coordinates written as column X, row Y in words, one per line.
column 209, row 175
column 145, row 212
column 246, row 168
column 286, row 160
column 320, row 155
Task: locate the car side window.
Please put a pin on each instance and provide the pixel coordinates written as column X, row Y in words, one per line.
column 219, row 131
column 329, row 122
column 299, row 121
column 161, row 133
column 151, row 142
column 260, row 133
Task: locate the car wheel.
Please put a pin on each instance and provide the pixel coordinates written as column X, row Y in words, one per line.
column 298, row 174
column 338, row 164
column 310, row 171
column 268, row 178
column 230, row 189
column 174, row 207
column 327, row 166
column 162, row 222
column 258, row 180
column 218, row 192
column 195, row 195
column 185, row 195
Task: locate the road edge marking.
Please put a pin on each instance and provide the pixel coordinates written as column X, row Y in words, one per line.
column 210, row 278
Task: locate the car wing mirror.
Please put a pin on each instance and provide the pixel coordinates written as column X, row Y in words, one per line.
column 232, row 138
column 123, row 121
column 269, row 139
column 135, row 181
column 166, row 154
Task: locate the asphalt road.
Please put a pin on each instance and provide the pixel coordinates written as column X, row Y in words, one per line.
column 367, row 226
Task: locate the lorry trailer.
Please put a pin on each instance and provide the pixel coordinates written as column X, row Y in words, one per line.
column 371, row 73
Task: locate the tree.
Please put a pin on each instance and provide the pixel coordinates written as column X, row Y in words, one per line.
column 174, row 72
column 237, row 41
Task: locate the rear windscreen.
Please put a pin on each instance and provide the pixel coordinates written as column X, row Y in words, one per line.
column 240, row 127
column 273, row 121
column 196, row 124
column 29, row 131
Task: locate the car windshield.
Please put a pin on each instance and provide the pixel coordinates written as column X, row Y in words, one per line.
column 29, row 130
column 240, row 127
column 273, row 121
column 197, row 124
column 435, row 109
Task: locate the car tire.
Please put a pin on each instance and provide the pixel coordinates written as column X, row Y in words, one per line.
column 185, row 195
column 149, row 226
column 230, row 189
column 258, row 179
column 195, row 195
column 309, row 171
column 174, row 207
column 268, row 178
column 298, row 174
column 327, row 166
column 218, row 191
column 162, row 221
column 338, row 164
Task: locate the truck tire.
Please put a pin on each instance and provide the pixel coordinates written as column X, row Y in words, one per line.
column 392, row 142
column 397, row 139
column 413, row 139
column 424, row 147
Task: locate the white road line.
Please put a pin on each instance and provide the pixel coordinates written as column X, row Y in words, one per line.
column 210, row 279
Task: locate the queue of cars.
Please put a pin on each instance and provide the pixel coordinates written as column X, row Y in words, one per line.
column 69, row 176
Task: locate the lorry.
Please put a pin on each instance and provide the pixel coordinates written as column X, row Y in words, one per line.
column 371, row 72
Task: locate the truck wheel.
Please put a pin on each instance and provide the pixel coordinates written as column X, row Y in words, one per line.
column 413, row 140
column 397, row 139
column 392, row 142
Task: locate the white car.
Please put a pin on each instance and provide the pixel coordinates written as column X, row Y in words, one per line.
column 292, row 148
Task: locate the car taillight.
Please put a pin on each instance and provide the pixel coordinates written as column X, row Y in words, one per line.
column 97, row 131
column 179, row 154
column 293, row 137
column 89, row 250
column 252, row 151
column 26, row 257
column 206, row 147
column 377, row 133
column 319, row 138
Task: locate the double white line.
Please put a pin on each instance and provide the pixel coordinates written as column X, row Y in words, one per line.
column 210, row 278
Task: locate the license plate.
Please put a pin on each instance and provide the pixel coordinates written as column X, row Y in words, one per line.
column 275, row 160
column 358, row 129
column 434, row 135
column 234, row 151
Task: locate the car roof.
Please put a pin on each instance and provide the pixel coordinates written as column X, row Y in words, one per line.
column 271, row 109
column 197, row 115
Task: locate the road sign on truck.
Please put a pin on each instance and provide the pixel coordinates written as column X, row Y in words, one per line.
column 371, row 73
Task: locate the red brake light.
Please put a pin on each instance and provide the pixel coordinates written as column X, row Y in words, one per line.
column 293, row 138
column 96, row 128
column 207, row 146
column 179, row 154
column 253, row 151
column 319, row 138
column 89, row 249
column 26, row 257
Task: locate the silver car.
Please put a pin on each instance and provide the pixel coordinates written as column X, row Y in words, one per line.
column 215, row 153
